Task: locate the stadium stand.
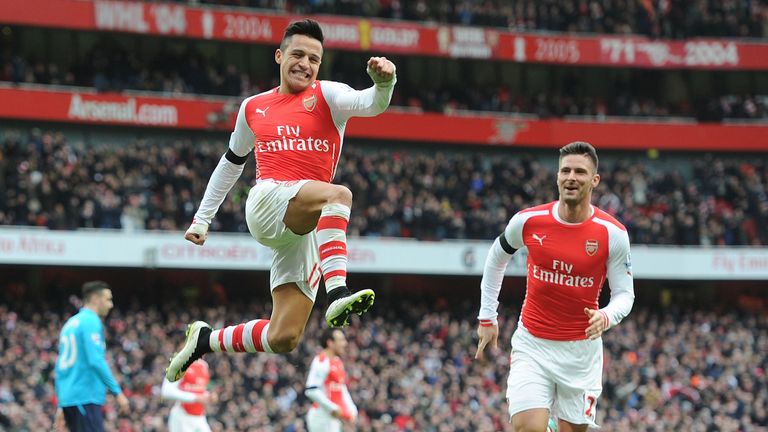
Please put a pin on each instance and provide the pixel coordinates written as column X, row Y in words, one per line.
column 410, row 365
column 110, row 67
column 150, row 184
column 690, row 357
column 669, row 19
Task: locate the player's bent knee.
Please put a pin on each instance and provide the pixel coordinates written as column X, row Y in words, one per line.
column 528, row 428
column 284, row 341
column 341, row 195
column 530, row 422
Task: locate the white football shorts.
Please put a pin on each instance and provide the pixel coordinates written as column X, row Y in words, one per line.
column 295, row 257
column 562, row 376
column 180, row 421
column 319, row 420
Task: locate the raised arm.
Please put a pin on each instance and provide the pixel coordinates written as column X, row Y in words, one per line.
column 346, row 102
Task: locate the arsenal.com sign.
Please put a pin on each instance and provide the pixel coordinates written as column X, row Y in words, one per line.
column 41, row 104
column 129, row 112
column 82, row 106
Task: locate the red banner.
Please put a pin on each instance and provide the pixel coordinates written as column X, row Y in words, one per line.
column 113, row 109
column 380, row 36
column 87, row 107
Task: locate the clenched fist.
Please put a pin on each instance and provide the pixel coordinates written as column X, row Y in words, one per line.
column 380, row 69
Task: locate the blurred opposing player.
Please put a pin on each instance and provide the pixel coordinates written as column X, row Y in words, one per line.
column 557, row 351
column 327, row 386
column 296, row 132
column 82, row 373
column 191, row 396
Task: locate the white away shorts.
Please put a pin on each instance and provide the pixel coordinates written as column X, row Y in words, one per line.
column 562, row 376
column 180, row 421
column 295, row 257
column 319, row 420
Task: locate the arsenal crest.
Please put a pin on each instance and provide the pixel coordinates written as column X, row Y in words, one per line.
column 590, row 246
column 309, row 102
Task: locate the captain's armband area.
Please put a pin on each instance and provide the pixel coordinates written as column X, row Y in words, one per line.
column 505, row 244
column 235, row 159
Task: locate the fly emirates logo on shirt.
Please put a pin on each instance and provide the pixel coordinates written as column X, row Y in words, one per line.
column 561, row 274
column 289, row 139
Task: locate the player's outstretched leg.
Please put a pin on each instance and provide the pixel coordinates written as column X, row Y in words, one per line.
column 197, row 344
column 202, row 339
column 342, row 303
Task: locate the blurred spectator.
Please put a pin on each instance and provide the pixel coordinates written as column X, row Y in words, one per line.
column 109, row 67
column 411, row 369
column 655, row 18
column 423, row 193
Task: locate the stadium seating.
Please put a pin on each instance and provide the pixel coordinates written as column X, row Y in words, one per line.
column 658, row 19
column 399, row 192
column 410, row 369
column 110, row 67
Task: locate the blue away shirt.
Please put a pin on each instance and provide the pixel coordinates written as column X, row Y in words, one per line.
column 82, row 373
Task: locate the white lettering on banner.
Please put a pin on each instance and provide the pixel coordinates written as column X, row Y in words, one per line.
column 207, row 24
column 346, row 33
column 247, row 27
column 468, row 35
column 618, row 50
column 114, row 15
column 469, row 42
column 519, row 49
column 695, row 53
column 169, row 19
column 507, row 130
column 711, row 53
column 658, row 53
column 464, row 42
column 123, row 112
column 555, row 50
column 230, row 253
column 399, row 37
column 470, row 51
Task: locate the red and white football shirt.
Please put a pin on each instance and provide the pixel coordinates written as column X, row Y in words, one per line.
column 328, row 374
column 567, row 266
column 300, row 136
column 293, row 136
column 195, row 380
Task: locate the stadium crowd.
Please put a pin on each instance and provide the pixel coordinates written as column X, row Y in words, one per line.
column 656, row 18
column 422, row 193
column 410, row 368
column 110, row 67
